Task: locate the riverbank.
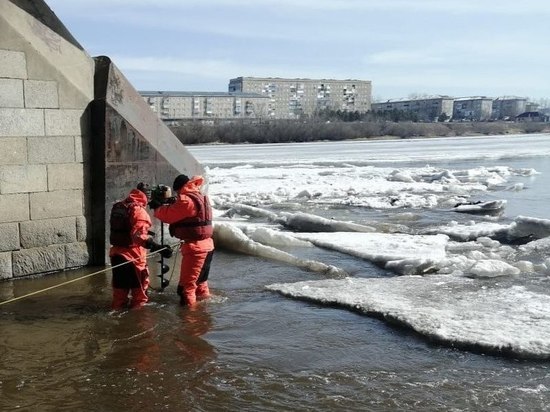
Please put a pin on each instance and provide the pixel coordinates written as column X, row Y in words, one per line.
column 288, row 131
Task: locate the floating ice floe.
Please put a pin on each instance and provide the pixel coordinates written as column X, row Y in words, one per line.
column 400, row 253
column 231, row 237
column 469, row 230
column 356, row 185
column 305, row 222
column 491, row 207
column 525, row 226
column 521, row 230
column 478, row 254
column 511, row 321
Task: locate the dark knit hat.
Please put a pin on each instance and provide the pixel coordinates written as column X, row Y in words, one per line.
column 179, row 182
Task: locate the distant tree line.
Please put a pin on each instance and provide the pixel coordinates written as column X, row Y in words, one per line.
column 339, row 126
column 394, row 115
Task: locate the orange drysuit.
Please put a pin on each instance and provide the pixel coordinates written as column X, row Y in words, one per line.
column 133, row 277
column 196, row 254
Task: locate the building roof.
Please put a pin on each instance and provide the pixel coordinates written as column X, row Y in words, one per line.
column 462, row 99
column 510, row 98
column 295, row 79
column 402, row 100
column 167, row 93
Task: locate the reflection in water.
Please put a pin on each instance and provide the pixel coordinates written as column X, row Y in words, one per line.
column 145, row 339
column 64, row 350
column 195, row 322
column 154, row 353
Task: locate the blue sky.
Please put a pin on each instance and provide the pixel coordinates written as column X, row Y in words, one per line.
column 405, row 47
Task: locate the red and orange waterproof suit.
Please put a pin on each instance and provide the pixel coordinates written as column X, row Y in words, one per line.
column 189, row 219
column 129, row 258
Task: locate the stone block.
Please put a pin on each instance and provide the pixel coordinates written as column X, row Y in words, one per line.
column 79, row 149
column 5, row 266
column 15, row 208
column 36, row 233
column 38, row 260
column 41, row 94
column 21, row 122
column 55, row 149
column 11, row 93
column 23, row 179
column 76, row 255
column 60, row 203
column 81, row 228
column 9, row 237
column 13, row 150
column 65, row 176
column 65, row 122
column 13, row 64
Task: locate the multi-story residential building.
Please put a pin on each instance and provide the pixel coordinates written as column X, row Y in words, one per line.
column 173, row 106
column 508, row 107
column 477, row 108
column 427, row 109
column 295, row 98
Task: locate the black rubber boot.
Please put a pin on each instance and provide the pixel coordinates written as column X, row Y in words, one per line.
column 179, row 291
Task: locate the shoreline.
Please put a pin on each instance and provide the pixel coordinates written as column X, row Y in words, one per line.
column 314, row 131
column 374, row 138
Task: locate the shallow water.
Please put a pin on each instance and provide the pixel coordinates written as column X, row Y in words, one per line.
column 247, row 348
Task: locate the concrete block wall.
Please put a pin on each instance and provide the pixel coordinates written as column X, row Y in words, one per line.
column 46, row 87
column 42, row 224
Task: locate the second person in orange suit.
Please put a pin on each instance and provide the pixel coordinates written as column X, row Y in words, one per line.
column 129, row 238
column 190, row 220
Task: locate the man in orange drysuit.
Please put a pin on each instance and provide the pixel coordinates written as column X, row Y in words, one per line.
column 129, row 237
column 190, row 220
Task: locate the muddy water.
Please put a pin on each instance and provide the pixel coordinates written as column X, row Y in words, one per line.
column 245, row 349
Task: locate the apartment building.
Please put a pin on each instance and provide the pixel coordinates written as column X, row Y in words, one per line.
column 427, row 109
column 296, row 98
column 508, row 107
column 175, row 105
column 476, row 108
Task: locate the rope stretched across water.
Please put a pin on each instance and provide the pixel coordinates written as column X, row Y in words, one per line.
column 82, row 277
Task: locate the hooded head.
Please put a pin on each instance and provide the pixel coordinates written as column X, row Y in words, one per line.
column 179, row 182
column 137, row 196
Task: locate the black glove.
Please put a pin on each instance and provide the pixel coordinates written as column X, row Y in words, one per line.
column 165, row 251
column 154, row 203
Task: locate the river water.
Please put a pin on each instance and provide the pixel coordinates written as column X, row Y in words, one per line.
column 251, row 349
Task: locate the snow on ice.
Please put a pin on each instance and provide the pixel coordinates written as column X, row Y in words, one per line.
column 261, row 210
